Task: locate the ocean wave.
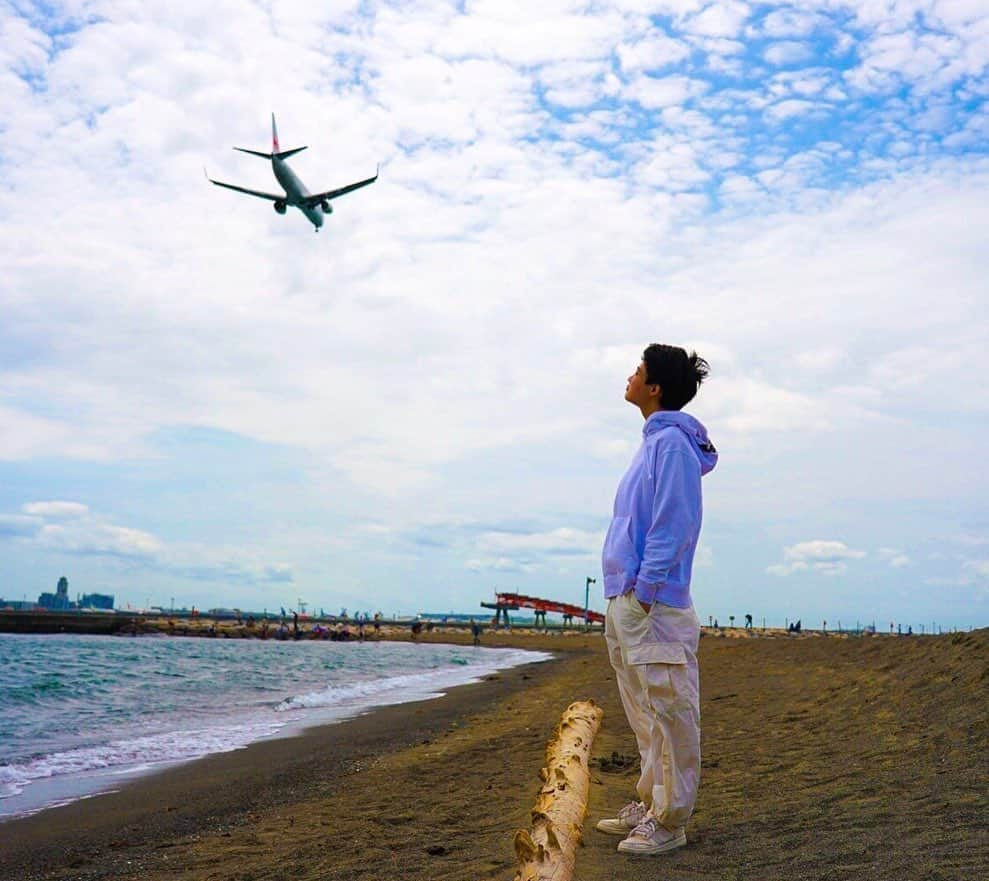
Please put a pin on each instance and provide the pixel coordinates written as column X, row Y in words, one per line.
column 412, row 685
column 131, row 754
column 342, row 695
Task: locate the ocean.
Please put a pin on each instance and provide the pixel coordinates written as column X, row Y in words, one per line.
column 80, row 715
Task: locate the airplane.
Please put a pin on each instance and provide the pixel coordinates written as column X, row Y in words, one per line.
column 314, row 205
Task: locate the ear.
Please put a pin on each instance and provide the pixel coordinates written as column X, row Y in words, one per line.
column 656, row 390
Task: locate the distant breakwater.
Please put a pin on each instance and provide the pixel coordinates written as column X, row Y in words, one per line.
column 139, row 624
column 223, row 627
column 70, row 622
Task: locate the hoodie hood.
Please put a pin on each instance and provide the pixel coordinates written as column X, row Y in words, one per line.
column 691, row 428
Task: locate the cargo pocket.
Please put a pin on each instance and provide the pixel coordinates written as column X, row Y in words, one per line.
column 657, row 653
column 662, row 668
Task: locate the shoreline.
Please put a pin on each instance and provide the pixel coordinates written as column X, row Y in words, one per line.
column 220, row 789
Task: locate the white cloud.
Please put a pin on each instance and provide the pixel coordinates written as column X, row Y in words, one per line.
column 563, row 540
column 56, row 510
column 787, row 53
column 669, row 91
column 97, row 538
column 821, row 550
column 817, row 555
column 790, row 22
column 673, row 165
column 895, row 558
column 23, row 49
column 59, row 527
column 930, row 61
column 750, row 406
column 651, row 54
column 722, row 19
column 790, row 108
column 525, row 34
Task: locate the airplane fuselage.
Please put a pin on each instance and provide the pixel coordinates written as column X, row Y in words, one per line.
column 296, row 192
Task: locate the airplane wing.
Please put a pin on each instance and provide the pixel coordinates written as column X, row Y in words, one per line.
column 316, row 198
column 271, row 197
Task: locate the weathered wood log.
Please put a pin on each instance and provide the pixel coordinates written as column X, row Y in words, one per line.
column 548, row 852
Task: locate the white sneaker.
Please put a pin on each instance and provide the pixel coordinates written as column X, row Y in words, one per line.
column 651, row 838
column 628, row 818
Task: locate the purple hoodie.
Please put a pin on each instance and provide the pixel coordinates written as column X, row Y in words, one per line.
column 657, row 517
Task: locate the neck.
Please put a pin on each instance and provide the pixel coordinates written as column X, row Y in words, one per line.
column 649, row 408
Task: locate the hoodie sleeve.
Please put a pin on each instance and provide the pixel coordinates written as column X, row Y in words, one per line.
column 676, row 513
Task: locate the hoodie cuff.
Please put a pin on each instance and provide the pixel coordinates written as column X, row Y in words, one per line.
column 646, row 592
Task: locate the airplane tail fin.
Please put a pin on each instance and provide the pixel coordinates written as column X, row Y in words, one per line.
column 276, row 151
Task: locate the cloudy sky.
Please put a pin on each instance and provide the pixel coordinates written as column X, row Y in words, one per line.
column 201, row 400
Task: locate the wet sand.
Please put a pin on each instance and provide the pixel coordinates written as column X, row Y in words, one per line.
column 824, row 758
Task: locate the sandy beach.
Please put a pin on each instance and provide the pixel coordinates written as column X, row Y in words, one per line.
column 824, row 758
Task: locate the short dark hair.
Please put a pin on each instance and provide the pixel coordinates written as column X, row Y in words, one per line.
column 675, row 372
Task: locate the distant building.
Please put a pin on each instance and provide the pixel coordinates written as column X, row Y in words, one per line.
column 17, row 605
column 58, row 601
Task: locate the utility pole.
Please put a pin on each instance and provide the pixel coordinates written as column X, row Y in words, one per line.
column 587, row 600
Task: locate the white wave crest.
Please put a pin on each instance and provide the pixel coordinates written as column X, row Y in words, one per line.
column 410, row 686
column 131, row 754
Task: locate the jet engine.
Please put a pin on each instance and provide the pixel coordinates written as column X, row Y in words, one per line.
column 281, row 207
column 326, row 206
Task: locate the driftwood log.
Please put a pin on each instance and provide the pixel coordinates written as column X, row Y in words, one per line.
column 548, row 852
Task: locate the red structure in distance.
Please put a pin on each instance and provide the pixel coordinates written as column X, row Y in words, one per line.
column 568, row 610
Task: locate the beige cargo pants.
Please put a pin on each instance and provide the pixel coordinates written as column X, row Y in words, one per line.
column 655, row 661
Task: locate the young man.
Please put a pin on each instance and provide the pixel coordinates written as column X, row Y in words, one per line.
column 650, row 628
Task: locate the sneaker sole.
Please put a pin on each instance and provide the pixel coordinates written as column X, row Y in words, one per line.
column 648, row 850
column 613, row 827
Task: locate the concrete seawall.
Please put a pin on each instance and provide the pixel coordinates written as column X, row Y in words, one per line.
column 68, row 622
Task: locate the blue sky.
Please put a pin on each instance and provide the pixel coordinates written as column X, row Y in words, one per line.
column 204, row 401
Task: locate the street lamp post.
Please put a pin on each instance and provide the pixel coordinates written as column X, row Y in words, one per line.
column 587, row 598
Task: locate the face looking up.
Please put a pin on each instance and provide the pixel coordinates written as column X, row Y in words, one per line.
column 645, row 396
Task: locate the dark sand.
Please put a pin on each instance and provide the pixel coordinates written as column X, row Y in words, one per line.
column 824, row 758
